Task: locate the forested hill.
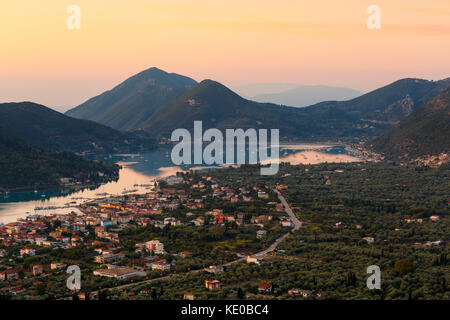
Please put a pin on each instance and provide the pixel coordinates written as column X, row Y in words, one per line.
column 364, row 117
column 160, row 102
column 133, row 101
column 44, row 127
column 423, row 137
column 25, row 167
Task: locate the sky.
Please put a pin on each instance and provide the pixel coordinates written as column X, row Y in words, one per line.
column 235, row 42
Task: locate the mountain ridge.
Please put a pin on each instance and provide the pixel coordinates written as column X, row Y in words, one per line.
column 134, row 100
column 362, row 117
column 26, row 167
column 302, row 96
column 423, row 137
column 47, row 128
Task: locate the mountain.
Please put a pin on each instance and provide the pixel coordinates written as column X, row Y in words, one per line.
column 132, row 102
column 46, row 128
column 363, row 117
column 253, row 89
column 219, row 107
column 386, row 105
column 25, row 167
column 423, row 137
column 158, row 102
column 302, row 96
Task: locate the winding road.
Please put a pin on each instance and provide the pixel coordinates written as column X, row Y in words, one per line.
column 272, row 247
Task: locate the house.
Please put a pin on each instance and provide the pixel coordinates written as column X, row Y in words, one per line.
column 2, row 253
column 149, row 261
column 117, row 273
column 9, row 274
column 198, row 222
column 155, row 246
column 145, row 291
column 57, row 265
column 265, row 288
column 163, row 266
column 434, row 243
column 286, row 223
column 256, row 260
column 185, row 254
column 87, row 295
column 279, row 207
column 212, row 285
column 300, row 292
column 189, row 296
column 261, row 219
column 434, row 218
column 260, row 234
column 109, row 258
column 28, row 251
column 37, row 269
column 340, row 225
column 369, row 240
column 263, row 195
column 214, row 269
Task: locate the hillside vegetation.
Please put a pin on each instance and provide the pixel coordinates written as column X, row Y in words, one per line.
column 422, row 135
column 24, row 167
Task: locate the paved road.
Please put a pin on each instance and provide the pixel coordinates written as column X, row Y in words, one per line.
column 287, row 208
column 273, row 246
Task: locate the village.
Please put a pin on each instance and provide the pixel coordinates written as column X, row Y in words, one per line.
column 174, row 202
column 221, row 234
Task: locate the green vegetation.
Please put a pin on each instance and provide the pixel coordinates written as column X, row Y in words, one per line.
column 371, row 200
column 24, row 167
column 129, row 104
column 425, row 132
column 354, row 216
column 46, row 128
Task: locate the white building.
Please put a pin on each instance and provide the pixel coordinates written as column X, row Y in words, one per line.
column 155, row 246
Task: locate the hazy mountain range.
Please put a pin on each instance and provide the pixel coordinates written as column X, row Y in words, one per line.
column 158, row 102
column 38, row 141
column 295, row 95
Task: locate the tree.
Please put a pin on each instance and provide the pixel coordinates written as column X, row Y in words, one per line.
column 240, row 294
column 404, row 266
column 39, row 288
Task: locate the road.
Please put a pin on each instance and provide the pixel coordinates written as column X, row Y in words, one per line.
column 288, row 210
column 273, row 246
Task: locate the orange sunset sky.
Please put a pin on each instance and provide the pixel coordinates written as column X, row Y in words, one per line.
column 233, row 42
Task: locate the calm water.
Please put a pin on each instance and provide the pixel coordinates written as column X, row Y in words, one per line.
column 138, row 175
